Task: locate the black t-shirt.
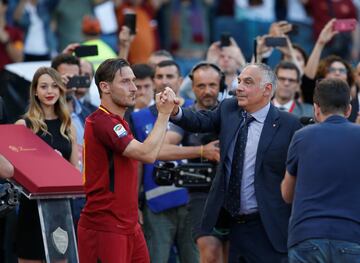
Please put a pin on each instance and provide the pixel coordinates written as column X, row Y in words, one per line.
column 3, row 115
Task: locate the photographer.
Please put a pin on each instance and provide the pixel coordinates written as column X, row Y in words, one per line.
column 206, row 81
column 322, row 179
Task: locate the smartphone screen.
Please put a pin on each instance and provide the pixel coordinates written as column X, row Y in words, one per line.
column 79, row 82
column 344, row 25
column 275, row 41
column 130, row 22
column 86, row 51
column 225, row 39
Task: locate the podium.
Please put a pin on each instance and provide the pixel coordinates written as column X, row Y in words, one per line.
column 45, row 176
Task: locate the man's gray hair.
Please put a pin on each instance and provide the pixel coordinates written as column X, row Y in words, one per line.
column 267, row 76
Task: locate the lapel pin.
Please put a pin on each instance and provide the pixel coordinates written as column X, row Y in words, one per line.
column 274, row 125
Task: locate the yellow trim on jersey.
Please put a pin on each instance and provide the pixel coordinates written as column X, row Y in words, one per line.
column 104, row 110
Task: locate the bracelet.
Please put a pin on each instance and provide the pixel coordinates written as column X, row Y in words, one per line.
column 201, row 151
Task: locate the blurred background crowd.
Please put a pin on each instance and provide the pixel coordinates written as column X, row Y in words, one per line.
column 186, row 31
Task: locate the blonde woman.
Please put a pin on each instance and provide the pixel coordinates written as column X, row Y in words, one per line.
column 49, row 118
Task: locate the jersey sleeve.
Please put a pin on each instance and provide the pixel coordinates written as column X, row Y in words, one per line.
column 112, row 133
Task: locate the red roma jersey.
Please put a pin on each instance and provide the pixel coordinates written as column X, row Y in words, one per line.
column 110, row 178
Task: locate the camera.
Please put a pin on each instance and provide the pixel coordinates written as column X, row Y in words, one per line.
column 9, row 198
column 184, row 175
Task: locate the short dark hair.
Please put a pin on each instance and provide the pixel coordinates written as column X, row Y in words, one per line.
column 107, row 70
column 332, row 96
column 288, row 65
column 143, row 71
column 168, row 63
column 163, row 53
column 64, row 59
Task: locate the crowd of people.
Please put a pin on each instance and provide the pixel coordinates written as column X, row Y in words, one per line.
column 192, row 148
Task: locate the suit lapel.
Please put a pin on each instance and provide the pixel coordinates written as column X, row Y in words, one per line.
column 271, row 125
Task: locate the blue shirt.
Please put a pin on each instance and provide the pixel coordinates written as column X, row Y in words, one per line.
column 247, row 191
column 325, row 160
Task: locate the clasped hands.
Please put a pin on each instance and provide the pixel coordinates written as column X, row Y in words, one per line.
column 167, row 102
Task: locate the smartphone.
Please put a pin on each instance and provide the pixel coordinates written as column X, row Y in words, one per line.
column 79, row 82
column 344, row 25
column 294, row 30
column 275, row 41
column 225, row 39
column 130, row 22
column 86, row 51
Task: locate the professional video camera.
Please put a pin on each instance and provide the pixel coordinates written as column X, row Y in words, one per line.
column 9, row 197
column 184, row 175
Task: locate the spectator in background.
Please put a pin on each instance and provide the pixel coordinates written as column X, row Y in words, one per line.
column 322, row 11
column 230, row 59
column 145, row 87
column 157, row 56
column 34, row 17
column 3, row 114
column 6, row 171
column 145, row 41
column 11, row 45
column 288, row 85
column 165, row 212
column 10, row 40
column 67, row 19
column 322, row 182
column 207, row 79
column 144, row 83
column 331, row 67
column 92, row 31
column 355, row 109
column 48, row 118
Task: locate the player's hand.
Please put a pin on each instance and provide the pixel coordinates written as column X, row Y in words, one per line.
column 166, row 100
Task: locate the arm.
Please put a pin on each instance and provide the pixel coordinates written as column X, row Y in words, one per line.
column 325, row 36
column 200, row 121
column 6, row 168
column 74, row 157
column 288, row 187
column 19, row 11
column 171, row 151
column 148, row 150
column 125, row 39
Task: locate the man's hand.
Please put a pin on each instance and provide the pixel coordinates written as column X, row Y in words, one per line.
column 70, row 49
column 213, row 53
column 327, row 33
column 279, row 29
column 166, row 100
column 211, row 151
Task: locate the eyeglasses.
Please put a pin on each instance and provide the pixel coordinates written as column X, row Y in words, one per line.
column 340, row 70
column 292, row 81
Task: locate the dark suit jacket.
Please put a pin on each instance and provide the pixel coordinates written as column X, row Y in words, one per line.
column 275, row 138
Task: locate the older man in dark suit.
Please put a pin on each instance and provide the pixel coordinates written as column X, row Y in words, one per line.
column 254, row 138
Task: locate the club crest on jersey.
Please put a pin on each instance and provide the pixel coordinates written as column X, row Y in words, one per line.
column 120, row 130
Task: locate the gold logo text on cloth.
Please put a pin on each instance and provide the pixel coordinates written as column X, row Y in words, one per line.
column 21, row 149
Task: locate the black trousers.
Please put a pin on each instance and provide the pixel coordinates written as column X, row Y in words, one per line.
column 249, row 243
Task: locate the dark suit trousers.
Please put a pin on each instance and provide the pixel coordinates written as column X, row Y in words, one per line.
column 249, row 240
